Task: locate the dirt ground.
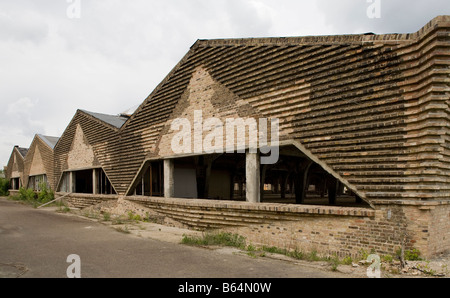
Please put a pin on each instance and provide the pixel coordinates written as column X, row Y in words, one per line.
column 128, row 217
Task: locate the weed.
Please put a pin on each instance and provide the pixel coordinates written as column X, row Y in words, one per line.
column 132, row 216
column 251, row 248
column 334, row 262
column 215, row 238
column 313, row 256
column 347, row 260
column 297, row 254
column 106, row 216
column 387, row 258
column 123, row 230
column 410, row 255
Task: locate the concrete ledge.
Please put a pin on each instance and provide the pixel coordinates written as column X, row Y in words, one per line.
column 419, row 203
column 80, row 200
column 263, row 207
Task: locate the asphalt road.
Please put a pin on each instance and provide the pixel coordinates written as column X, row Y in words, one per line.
column 36, row 243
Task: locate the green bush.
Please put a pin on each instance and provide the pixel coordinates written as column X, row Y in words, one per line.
column 4, row 187
column 412, row 255
column 45, row 194
column 27, row 194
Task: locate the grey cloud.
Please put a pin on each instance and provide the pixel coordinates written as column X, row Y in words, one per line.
column 397, row 16
column 23, row 26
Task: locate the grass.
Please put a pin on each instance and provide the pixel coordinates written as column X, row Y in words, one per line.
column 106, row 216
column 215, row 238
column 235, row 240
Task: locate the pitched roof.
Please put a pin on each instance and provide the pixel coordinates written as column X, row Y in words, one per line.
column 22, row 151
column 356, row 102
column 50, row 141
column 114, row 120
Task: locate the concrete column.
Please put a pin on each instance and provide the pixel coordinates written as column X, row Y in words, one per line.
column 71, row 182
column 332, row 191
column 252, row 180
column 262, row 170
column 169, row 187
column 94, row 182
column 283, row 186
column 301, row 182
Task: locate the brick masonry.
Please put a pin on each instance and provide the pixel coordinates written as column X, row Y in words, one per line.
column 325, row 229
column 372, row 108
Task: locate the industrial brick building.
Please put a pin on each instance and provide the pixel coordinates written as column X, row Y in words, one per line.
column 364, row 145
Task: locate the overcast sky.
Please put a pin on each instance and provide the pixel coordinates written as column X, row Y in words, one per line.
column 57, row 56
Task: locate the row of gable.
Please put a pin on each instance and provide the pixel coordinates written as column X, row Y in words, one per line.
column 357, row 105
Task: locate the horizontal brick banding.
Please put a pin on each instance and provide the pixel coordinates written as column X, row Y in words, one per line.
column 215, row 214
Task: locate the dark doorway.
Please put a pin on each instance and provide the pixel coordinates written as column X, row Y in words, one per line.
column 151, row 180
column 83, row 181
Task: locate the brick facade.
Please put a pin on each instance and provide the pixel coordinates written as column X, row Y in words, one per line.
column 370, row 110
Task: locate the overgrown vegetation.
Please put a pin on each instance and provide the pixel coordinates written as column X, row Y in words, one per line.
column 45, row 194
column 4, row 187
column 215, row 238
column 134, row 217
column 28, row 195
column 235, row 240
column 410, row 255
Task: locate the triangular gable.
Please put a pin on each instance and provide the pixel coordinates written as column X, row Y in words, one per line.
column 81, row 154
column 37, row 164
column 211, row 100
column 15, row 173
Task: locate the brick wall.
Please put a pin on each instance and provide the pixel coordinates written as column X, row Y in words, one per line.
column 325, row 229
column 86, row 200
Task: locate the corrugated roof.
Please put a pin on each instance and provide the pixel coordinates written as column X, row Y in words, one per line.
column 50, row 141
column 114, row 120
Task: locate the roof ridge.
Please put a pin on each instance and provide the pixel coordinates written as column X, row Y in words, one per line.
column 117, row 122
column 357, row 38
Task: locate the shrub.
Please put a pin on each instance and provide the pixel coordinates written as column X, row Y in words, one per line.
column 4, row 187
column 26, row 194
column 412, row 255
column 45, row 194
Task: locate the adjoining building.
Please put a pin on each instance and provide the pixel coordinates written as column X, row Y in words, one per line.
column 38, row 162
column 80, row 153
column 14, row 171
column 362, row 142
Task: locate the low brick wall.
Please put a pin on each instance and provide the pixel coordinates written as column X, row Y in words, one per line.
column 78, row 200
column 424, row 225
column 13, row 192
column 325, row 229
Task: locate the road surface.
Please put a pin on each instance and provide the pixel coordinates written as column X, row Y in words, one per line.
column 37, row 243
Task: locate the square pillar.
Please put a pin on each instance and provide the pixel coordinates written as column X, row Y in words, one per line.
column 71, row 182
column 169, row 187
column 252, row 177
column 94, row 182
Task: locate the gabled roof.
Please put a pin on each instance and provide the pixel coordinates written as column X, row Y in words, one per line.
column 50, row 141
column 22, row 151
column 114, row 120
